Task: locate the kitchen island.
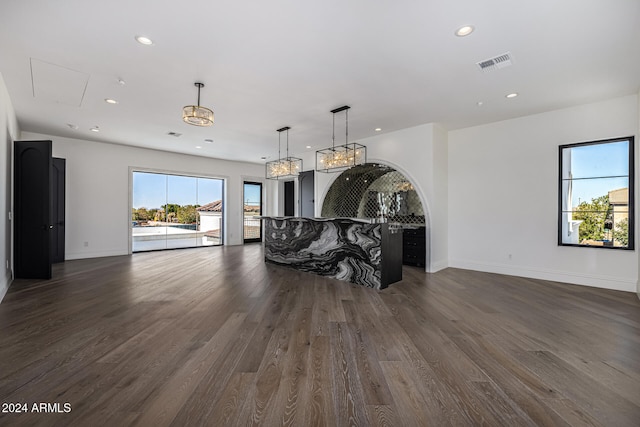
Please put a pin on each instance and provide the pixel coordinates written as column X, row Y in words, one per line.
column 368, row 254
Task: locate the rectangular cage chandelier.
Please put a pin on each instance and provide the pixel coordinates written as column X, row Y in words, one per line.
column 286, row 167
column 341, row 157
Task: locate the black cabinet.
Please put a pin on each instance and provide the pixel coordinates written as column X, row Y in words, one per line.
column 414, row 249
column 390, row 246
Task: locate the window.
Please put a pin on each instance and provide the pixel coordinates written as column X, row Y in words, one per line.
column 175, row 211
column 252, row 211
column 596, row 194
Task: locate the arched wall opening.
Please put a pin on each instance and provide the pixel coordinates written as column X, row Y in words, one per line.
column 381, row 192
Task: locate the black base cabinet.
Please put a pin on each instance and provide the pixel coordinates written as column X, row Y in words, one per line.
column 414, row 249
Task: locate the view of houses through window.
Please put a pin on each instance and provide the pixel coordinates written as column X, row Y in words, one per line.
column 596, row 194
column 252, row 225
column 175, row 211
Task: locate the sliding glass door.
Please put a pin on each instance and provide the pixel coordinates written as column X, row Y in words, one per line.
column 175, row 211
column 252, row 195
column 182, row 220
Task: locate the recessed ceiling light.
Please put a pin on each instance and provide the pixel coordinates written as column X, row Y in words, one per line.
column 72, row 126
column 308, row 146
column 511, row 95
column 198, row 146
column 263, row 158
column 144, row 40
column 110, row 101
column 208, row 141
column 464, row 31
column 121, row 82
column 95, row 129
column 378, row 129
column 479, row 103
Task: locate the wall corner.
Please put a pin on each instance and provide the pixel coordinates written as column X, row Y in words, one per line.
column 440, row 202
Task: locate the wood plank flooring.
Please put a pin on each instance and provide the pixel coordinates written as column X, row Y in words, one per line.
column 216, row 337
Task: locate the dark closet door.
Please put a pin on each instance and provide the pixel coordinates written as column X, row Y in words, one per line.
column 32, row 209
column 289, row 199
column 57, row 209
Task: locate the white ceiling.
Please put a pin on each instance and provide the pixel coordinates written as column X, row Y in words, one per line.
column 268, row 64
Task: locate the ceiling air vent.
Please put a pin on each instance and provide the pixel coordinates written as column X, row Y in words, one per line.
column 496, row 62
column 176, row 134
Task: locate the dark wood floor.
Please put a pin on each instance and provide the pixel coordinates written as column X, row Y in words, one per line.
column 216, row 337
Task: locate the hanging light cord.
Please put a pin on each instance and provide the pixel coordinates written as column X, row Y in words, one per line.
column 346, row 132
column 279, row 133
column 200, row 86
column 333, row 134
column 287, row 143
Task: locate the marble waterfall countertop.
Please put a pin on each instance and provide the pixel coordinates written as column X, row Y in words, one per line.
column 369, row 254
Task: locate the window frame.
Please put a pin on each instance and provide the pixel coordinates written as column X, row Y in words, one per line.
column 631, row 179
column 168, row 173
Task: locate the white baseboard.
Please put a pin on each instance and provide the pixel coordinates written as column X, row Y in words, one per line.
column 5, row 282
column 84, row 255
column 605, row 282
column 438, row 265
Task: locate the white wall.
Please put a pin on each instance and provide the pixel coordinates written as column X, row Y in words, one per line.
column 8, row 133
column 439, row 200
column 420, row 153
column 272, row 193
column 210, row 221
column 503, row 196
column 98, row 190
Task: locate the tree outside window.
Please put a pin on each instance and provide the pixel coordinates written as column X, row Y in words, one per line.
column 596, row 194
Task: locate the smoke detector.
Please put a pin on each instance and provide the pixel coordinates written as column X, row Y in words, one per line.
column 496, row 62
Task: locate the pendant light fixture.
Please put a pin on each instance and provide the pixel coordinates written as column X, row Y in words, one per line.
column 286, row 167
column 341, row 157
column 196, row 114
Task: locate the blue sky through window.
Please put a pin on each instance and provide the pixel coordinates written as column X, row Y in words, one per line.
column 598, row 161
column 152, row 190
column 252, row 194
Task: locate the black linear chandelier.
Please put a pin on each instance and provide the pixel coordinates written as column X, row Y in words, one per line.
column 341, row 157
column 286, row 167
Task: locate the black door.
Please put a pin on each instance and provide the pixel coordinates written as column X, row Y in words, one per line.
column 8, row 194
column 289, row 199
column 32, row 208
column 252, row 211
column 307, row 202
column 57, row 209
